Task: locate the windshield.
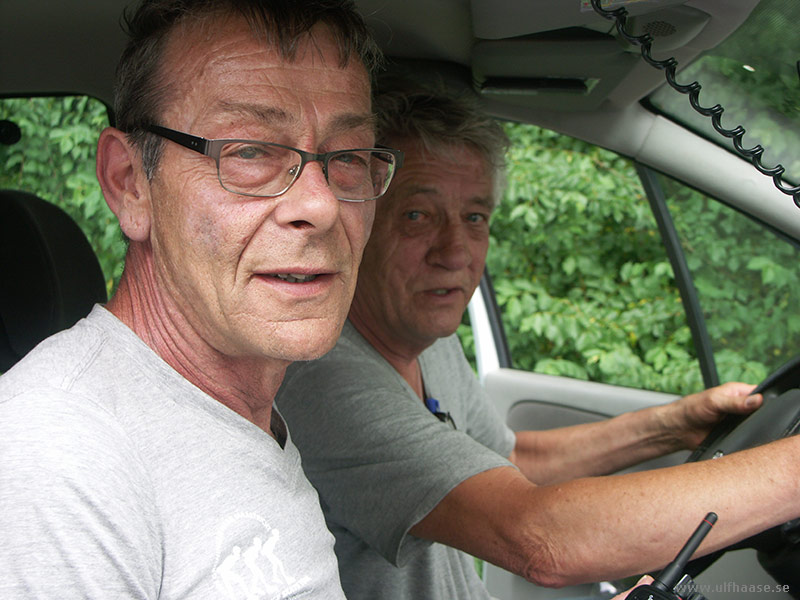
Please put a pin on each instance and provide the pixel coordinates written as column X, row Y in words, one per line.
column 755, row 76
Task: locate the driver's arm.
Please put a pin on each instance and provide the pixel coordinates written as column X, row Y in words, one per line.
column 600, row 448
column 608, row 527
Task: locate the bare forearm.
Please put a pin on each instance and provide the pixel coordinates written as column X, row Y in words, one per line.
column 600, row 448
column 608, row 527
column 620, row 525
column 566, row 453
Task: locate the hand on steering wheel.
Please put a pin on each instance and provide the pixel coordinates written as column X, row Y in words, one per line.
column 779, row 417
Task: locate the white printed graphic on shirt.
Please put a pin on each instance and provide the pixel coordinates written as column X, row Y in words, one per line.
column 248, row 563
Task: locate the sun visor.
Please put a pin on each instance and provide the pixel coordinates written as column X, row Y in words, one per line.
column 568, row 72
column 579, row 62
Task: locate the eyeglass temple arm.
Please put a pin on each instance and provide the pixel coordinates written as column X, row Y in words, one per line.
column 193, row 142
column 398, row 156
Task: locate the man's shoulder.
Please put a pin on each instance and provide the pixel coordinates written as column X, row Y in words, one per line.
column 53, row 435
column 56, row 361
column 57, row 387
column 83, row 370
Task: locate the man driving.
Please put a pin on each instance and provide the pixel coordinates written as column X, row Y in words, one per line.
column 412, row 463
column 141, row 455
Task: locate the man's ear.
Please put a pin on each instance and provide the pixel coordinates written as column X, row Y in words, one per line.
column 124, row 183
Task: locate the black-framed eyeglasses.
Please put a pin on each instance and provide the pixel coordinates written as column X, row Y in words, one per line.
column 266, row 169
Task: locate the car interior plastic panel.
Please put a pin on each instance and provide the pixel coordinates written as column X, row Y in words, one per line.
column 50, row 277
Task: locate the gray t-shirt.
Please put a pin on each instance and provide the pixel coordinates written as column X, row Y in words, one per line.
column 120, row 479
column 381, row 462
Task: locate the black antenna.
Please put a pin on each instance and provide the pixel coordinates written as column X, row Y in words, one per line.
column 673, row 572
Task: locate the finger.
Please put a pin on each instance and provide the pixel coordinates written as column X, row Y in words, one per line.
column 744, row 405
column 753, row 402
column 643, row 581
column 736, row 398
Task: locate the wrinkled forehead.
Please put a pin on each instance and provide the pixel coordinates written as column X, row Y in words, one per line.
column 284, row 38
column 209, row 63
column 430, row 149
column 437, row 156
column 201, row 42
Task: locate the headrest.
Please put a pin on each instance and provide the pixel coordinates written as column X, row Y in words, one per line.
column 49, row 274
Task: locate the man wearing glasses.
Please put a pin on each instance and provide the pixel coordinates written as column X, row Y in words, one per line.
column 398, row 438
column 141, row 455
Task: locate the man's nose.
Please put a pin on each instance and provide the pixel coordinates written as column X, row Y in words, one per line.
column 310, row 202
column 451, row 249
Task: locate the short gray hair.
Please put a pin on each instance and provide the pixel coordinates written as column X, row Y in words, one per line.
column 440, row 118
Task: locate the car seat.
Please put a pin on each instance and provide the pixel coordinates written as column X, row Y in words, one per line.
column 49, row 275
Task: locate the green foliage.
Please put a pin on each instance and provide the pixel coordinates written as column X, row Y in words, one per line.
column 579, row 271
column 586, row 289
column 746, row 279
column 55, row 159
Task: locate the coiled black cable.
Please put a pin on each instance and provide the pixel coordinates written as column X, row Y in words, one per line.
column 669, row 66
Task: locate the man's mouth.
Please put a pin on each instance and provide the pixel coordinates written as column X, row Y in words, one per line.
column 443, row 291
column 295, row 277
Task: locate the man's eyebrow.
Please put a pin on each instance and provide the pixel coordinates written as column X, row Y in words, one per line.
column 485, row 202
column 353, row 121
column 413, row 189
column 429, row 190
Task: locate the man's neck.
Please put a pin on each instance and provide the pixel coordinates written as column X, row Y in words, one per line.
column 245, row 385
column 403, row 358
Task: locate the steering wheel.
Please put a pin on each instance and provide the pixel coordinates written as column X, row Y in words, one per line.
column 779, row 416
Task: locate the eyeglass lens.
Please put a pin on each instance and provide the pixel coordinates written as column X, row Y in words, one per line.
column 264, row 169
